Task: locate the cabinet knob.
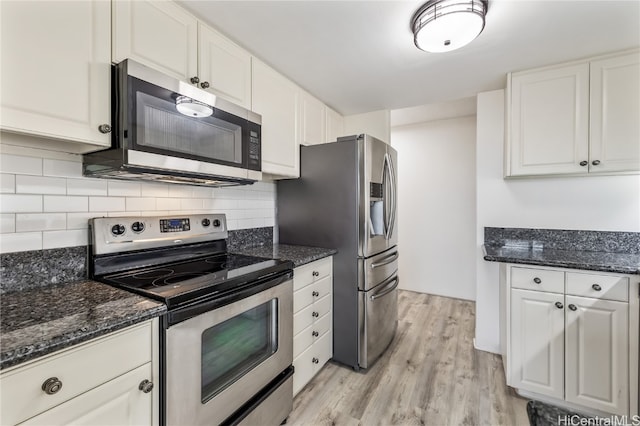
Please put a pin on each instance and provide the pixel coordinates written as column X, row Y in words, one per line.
column 584, row 163
column 596, row 287
column 146, row 386
column 315, row 294
column 51, row 385
column 572, row 307
column 315, row 273
column 537, row 280
column 204, row 84
column 315, row 314
column 195, row 80
column 559, row 305
column 104, row 128
column 595, row 162
column 315, row 334
column 315, row 360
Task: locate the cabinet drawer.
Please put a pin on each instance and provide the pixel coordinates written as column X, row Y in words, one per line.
column 79, row 369
column 307, row 337
column 309, row 362
column 314, row 271
column 537, row 279
column 598, row 286
column 306, row 316
column 308, row 294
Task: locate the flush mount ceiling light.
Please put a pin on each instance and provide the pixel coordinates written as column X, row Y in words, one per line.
column 445, row 25
column 192, row 108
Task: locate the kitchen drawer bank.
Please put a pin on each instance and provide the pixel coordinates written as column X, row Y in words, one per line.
column 40, row 321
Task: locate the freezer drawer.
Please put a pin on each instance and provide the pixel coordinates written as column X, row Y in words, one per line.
column 376, row 269
column 378, row 320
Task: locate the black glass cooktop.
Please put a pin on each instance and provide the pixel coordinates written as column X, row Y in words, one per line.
column 191, row 280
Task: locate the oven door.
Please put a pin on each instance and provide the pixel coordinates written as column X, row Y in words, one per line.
column 217, row 361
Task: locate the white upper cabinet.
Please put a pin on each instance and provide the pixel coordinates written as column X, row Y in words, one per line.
column 277, row 100
column 615, row 114
column 334, row 125
column 577, row 118
column 56, row 71
column 224, row 66
column 313, row 120
column 159, row 34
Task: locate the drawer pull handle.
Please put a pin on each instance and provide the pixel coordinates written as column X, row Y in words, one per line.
column 51, row 385
column 315, row 294
column 146, row 386
column 315, row 334
column 315, row 314
column 315, row 273
column 315, row 360
column 596, row 287
column 559, row 305
column 572, row 307
column 537, row 280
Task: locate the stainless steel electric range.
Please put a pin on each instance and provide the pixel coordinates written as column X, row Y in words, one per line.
column 226, row 341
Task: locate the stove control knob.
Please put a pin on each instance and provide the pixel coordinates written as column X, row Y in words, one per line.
column 216, row 223
column 206, row 222
column 137, row 227
column 117, row 229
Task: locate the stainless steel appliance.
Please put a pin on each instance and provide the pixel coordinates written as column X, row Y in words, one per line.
column 227, row 345
column 346, row 199
column 168, row 130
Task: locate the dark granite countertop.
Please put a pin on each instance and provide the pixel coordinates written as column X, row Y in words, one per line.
column 299, row 255
column 624, row 263
column 39, row 321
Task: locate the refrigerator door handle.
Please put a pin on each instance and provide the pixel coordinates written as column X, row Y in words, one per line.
column 394, row 198
column 387, row 260
column 386, row 177
column 387, row 288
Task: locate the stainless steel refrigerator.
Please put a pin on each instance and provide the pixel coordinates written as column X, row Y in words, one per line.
column 346, row 199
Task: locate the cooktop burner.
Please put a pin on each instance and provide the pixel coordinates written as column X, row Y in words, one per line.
column 179, row 281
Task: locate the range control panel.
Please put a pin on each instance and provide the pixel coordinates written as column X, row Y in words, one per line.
column 116, row 234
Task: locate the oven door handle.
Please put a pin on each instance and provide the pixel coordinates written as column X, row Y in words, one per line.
column 200, row 306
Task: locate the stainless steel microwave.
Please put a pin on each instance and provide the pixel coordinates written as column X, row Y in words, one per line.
column 168, row 130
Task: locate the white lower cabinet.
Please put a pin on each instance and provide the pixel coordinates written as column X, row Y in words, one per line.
column 577, row 344
column 312, row 320
column 111, row 380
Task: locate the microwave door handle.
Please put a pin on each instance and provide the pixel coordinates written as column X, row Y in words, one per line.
column 387, row 288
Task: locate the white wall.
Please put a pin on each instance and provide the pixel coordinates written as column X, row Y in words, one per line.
column 45, row 201
column 436, row 206
column 375, row 123
column 601, row 203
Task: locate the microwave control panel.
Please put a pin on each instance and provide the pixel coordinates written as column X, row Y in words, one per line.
column 254, row 150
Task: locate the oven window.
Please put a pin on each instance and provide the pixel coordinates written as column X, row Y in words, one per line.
column 232, row 348
column 161, row 126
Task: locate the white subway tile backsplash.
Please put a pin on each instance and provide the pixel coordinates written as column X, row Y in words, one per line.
column 86, row 187
column 22, row 241
column 28, row 222
column 18, row 203
column 20, row 164
column 148, row 189
column 179, row 191
column 124, row 188
column 71, row 238
column 62, row 168
column 201, row 192
column 7, row 223
column 26, row 184
column 191, row 204
column 7, row 183
column 168, row 203
column 107, row 204
column 59, row 203
column 81, row 220
column 147, row 203
column 123, row 214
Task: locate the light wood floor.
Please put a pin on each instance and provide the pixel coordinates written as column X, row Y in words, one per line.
column 430, row 375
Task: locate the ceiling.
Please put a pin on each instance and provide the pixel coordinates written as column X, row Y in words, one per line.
column 359, row 56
